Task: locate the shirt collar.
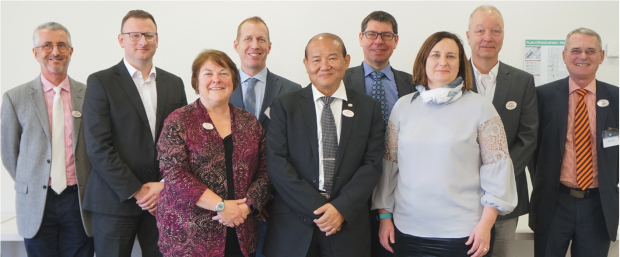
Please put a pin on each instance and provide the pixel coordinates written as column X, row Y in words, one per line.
column 572, row 86
column 387, row 71
column 132, row 71
column 341, row 93
column 492, row 73
column 47, row 86
column 261, row 76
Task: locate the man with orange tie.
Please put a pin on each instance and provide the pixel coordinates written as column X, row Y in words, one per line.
column 575, row 194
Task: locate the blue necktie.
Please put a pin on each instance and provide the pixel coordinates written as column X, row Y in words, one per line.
column 378, row 93
column 250, row 96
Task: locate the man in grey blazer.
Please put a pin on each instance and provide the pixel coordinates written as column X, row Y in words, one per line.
column 378, row 38
column 259, row 86
column 50, row 168
column 513, row 94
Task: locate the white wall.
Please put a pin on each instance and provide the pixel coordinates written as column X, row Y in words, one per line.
column 185, row 28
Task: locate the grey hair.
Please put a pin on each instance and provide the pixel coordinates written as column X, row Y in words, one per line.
column 51, row 26
column 585, row 31
column 484, row 7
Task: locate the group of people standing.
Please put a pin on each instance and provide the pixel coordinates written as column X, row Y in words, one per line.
column 364, row 161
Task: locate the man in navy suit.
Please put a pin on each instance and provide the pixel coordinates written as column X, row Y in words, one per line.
column 258, row 85
column 575, row 194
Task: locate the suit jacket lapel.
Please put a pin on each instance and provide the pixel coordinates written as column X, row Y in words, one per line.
column 561, row 106
column 77, row 99
column 357, row 79
column 162, row 95
column 473, row 77
column 236, row 98
column 272, row 88
column 309, row 112
column 39, row 104
column 345, row 129
column 502, row 87
column 403, row 84
column 126, row 82
column 601, row 114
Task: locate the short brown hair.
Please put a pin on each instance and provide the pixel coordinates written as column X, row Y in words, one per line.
column 380, row 16
column 218, row 57
column 255, row 20
column 138, row 14
column 419, row 66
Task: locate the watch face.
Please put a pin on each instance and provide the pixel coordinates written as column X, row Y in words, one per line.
column 219, row 206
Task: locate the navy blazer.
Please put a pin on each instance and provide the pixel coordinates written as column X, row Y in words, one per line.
column 553, row 116
column 354, row 79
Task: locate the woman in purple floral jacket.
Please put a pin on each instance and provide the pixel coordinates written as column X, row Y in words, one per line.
column 212, row 157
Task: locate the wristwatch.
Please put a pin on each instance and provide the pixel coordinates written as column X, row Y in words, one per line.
column 219, row 206
column 249, row 204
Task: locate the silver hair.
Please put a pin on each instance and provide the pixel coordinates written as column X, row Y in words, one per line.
column 51, row 26
column 484, row 7
column 585, row 31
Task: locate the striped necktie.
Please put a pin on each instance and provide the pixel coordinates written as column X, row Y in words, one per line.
column 583, row 144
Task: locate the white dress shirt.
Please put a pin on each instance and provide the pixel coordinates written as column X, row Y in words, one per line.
column 259, row 88
column 336, row 107
column 486, row 83
column 148, row 93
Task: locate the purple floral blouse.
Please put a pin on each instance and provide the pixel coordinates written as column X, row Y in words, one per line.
column 191, row 161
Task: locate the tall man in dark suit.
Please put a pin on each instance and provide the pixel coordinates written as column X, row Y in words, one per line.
column 258, row 85
column 324, row 157
column 43, row 150
column 124, row 110
column 376, row 78
column 575, row 194
column 513, row 94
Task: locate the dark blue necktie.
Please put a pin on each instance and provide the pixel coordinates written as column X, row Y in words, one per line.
column 378, row 93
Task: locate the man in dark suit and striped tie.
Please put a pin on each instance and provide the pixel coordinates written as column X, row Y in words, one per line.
column 575, row 194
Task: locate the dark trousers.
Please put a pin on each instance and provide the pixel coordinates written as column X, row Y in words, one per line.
column 320, row 245
column 413, row 246
column 115, row 235
column 61, row 232
column 579, row 220
column 262, row 230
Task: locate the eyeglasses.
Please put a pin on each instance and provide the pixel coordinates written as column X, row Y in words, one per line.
column 386, row 36
column 49, row 47
column 589, row 51
column 136, row 36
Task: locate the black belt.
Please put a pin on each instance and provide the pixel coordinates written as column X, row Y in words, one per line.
column 577, row 192
column 68, row 189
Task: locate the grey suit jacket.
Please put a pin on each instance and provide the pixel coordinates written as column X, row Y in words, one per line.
column 274, row 86
column 520, row 124
column 27, row 151
column 354, row 79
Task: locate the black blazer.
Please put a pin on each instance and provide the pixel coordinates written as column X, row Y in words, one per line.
column 118, row 137
column 520, row 124
column 274, row 86
column 553, row 114
column 354, row 79
column 293, row 167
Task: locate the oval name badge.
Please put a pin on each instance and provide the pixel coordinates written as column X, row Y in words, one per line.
column 348, row 113
column 603, row 103
column 511, row 105
column 207, row 126
column 76, row 114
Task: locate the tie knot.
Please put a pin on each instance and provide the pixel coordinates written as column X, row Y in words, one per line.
column 57, row 89
column 252, row 82
column 327, row 99
column 377, row 75
column 581, row 92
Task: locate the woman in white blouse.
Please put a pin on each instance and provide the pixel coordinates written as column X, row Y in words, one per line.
column 447, row 172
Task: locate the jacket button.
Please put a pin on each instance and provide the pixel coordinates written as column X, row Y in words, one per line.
column 314, row 180
column 48, row 161
column 44, row 187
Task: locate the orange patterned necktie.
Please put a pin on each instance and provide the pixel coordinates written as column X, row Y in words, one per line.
column 583, row 144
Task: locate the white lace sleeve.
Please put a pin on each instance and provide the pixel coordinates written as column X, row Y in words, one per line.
column 497, row 172
column 383, row 195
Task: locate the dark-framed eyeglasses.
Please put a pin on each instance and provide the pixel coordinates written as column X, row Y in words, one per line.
column 386, row 36
column 136, row 36
column 49, row 47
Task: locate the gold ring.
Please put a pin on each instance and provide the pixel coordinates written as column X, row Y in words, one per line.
column 485, row 249
column 152, row 204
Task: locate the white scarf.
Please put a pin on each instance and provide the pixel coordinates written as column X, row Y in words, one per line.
column 443, row 95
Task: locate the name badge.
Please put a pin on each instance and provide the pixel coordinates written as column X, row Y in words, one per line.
column 207, row 126
column 610, row 137
column 347, row 113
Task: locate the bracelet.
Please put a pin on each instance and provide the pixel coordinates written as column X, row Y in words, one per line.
column 385, row 216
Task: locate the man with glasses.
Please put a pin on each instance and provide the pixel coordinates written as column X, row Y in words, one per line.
column 258, row 85
column 124, row 110
column 376, row 77
column 575, row 194
column 43, row 150
column 512, row 92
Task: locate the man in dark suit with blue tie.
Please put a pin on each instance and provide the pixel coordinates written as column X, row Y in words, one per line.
column 324, row 157
column 258, row 85
column 378, row 79
column 575, row 194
